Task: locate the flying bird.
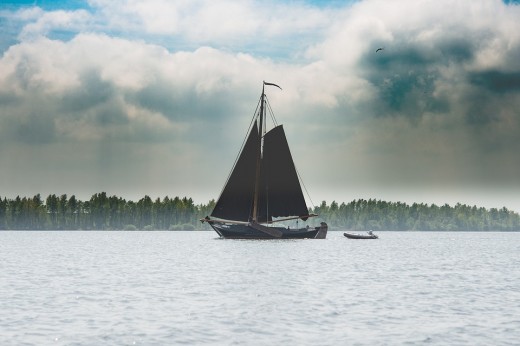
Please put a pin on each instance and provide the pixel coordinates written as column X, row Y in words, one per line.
column 378, row 49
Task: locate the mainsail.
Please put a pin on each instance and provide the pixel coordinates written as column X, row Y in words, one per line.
column 280, row 191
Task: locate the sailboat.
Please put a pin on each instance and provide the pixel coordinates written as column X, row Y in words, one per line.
column 263, row 188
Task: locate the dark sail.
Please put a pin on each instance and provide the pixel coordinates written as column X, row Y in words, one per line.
column 236, row 200
column 280, row 192
column 262, row 186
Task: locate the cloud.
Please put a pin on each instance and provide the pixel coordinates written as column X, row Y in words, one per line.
column 162, row 83
column 70, row 85
column 439, row 111
column 42, row 23
column 206, row 21
column 496, row 81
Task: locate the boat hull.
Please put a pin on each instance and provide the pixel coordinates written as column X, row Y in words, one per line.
column 239, row 231
column 360, row 236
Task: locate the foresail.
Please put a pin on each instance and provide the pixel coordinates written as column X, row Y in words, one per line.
column 280, row 192
column 236, row 200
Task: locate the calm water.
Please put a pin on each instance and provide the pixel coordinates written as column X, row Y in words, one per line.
column 169, row 288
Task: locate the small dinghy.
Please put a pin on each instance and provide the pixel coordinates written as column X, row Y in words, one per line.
column 369, row 235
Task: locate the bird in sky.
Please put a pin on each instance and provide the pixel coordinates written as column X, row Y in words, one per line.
column 378, row 49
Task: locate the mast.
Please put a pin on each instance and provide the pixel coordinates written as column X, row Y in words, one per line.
column 259, row 156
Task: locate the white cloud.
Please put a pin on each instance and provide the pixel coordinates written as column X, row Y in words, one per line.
column 436, row 107
column 237, row 24
column 45, row 22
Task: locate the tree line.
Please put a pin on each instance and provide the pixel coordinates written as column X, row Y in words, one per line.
column 377, row 215
column 102, row 212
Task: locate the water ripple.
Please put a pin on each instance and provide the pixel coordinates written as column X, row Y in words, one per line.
column 176, row 288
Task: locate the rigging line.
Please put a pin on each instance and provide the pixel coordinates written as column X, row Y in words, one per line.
column 241, row 148
column 304, row 187
column 266, row 196
column 271, row 113
column 255, row 116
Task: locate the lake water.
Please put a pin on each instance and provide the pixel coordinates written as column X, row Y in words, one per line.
column 172, row 288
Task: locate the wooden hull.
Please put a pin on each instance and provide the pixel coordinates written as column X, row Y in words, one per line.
column 360, row 236
column 238, row 231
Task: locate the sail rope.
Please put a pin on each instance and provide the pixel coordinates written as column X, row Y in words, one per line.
column 271, row 112
column 241, row 147
column 305, row 187
column 275, row 123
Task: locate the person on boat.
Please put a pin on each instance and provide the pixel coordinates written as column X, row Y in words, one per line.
column 370, row 232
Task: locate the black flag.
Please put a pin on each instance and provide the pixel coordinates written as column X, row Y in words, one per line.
column 265, row 83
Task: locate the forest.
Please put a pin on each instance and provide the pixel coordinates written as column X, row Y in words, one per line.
column 102, row 212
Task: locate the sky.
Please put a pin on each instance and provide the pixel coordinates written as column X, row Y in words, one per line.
column 154, row 97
